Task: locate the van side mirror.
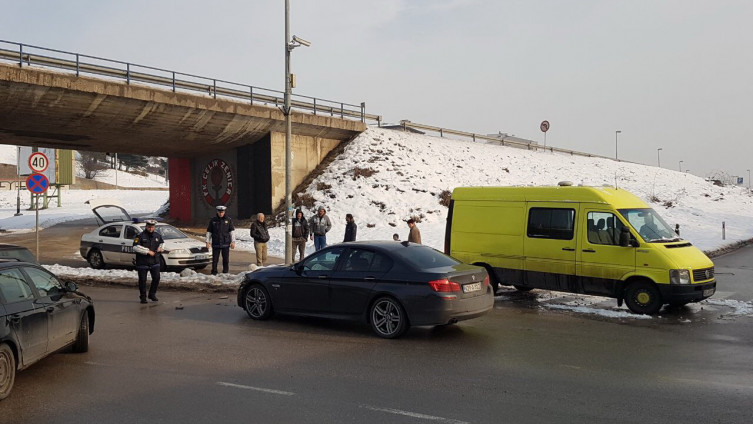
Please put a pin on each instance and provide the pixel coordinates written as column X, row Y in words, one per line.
column 625, row 237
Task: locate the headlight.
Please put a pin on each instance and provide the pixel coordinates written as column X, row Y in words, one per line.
column 179, row 252
column 679, row 276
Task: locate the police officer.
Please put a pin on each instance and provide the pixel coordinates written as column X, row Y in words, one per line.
column 221, row 238
column 148, row 246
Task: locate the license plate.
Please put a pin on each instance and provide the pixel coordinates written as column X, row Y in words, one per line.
column 709, row 292
column 471, row 287
column 201, row 257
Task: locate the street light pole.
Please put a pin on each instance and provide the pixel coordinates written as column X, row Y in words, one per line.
column 658, row 156
column 290, row 44
column 681, row 166
column 18, row 181
column 615, row 143
column 288, row 136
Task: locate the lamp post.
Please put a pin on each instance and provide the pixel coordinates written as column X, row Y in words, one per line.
column 18, row 181
column 615, row 143
column 290, row 44
column 658, row 156
column 681, row 166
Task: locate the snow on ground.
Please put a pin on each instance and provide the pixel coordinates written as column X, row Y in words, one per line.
column 126, row 179
column 411, row 171
column 73, row 206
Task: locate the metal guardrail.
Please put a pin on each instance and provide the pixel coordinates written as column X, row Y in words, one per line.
column 531, row 145
column 25, row 54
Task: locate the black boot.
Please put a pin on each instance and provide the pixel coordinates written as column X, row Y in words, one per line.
column 143, row 299
column 153, row 298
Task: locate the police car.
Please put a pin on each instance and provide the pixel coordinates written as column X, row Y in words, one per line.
column 111, row 245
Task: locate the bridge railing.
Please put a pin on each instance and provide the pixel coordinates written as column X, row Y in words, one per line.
column 528, row 144
column 29, row 55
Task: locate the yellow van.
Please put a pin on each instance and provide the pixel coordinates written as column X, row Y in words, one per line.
column 594, row 240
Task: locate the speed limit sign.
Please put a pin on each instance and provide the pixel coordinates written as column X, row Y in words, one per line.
column 38, row 162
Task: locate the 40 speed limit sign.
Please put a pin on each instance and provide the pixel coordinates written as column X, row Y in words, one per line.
column 38, row 162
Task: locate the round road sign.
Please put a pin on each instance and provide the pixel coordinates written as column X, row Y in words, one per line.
column 38, row 162
column 37, row 183
column 544, row 126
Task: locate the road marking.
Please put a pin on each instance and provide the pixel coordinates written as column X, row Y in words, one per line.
column 258, row 389
column 414, row 415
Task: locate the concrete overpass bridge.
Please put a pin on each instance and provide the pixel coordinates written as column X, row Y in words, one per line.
column 224, row 141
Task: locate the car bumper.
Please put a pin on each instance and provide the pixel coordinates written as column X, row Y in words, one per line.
column 187, row 261
column 440, row 309
column 687, row 293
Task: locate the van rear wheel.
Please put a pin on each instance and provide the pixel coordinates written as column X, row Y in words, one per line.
column 643, row 297
column 523, row 288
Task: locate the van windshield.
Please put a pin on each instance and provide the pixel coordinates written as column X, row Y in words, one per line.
column 650, row 226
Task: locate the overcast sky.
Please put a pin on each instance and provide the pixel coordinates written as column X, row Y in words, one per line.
column 669, row 74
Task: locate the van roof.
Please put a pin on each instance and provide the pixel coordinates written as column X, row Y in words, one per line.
column 616, row 197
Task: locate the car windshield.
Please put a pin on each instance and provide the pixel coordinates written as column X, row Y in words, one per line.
column 170, row 233
column 650, row 226
column 423, row 257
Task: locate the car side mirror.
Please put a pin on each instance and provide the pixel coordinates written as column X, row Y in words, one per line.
column 71, row 286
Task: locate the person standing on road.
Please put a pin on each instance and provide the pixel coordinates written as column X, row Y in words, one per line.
column 350, row 228
column 414, row 236
column 320, row 226
column 220, row 238
column 300, row 233
column 260, row 234
column 148, row 246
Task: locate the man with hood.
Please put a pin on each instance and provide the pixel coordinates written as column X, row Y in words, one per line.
column 320, row 226
column 220, row 238
column 260, row 234
column 300, row 233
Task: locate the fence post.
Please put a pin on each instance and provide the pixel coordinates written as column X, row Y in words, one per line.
column 342, row 110
column 440, row 133
column 474, row 137
column 173, row 81
column 363, row 111
column 214, row 88
column 314, row 105
column 77, row 65
column 251, row 94
column 724, row 230
column 21, row 55
column 128, row 73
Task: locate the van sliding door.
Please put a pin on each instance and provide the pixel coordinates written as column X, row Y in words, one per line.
column 550, row 246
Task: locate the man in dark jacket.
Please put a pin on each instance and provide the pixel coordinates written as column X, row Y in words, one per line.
column 414, row 236
column 300, row 233
column 260, row 234
column 320, row 226
column 220, row 238
column 147, row 247
column 350, row 228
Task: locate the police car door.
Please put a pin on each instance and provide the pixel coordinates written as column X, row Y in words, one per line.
column 110, row 242
column 127, row 256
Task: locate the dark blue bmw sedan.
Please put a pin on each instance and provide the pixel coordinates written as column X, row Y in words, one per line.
column 389, row 285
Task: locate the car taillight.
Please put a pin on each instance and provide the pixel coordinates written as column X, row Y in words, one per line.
column 444, row 286
column 486, row 281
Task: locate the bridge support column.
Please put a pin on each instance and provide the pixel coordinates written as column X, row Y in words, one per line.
column 180, row 188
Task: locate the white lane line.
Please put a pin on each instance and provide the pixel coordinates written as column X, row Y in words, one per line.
column 258, row 389
column 414, row 415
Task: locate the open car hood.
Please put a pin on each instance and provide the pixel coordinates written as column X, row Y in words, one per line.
column 108, row 210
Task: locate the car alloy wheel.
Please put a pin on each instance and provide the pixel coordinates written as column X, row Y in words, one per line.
column 257, row 303
column 82, row 338
column 388, row 318
column 7, row 370
column 96, row 260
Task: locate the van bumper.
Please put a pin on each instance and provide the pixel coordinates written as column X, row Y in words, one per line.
column 681, row 294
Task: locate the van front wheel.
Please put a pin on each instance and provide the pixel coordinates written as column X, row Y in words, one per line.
column 643, row 297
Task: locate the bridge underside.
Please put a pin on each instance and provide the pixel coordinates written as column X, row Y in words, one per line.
column 245, row 142
column 48, row 109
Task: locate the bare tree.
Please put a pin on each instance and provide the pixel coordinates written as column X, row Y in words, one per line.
column 92, row 163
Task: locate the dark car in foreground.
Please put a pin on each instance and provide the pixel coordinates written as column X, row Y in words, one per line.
column 15, row 252
column 389, row 285
column 39, row 316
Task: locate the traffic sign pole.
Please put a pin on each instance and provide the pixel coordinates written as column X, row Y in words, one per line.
column 36, row 226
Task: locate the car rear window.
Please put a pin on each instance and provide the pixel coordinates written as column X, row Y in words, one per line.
column 21, row 254
column 423, row 257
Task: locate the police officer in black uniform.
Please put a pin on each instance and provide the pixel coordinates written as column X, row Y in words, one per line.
column 221, row 238
column 148, row 246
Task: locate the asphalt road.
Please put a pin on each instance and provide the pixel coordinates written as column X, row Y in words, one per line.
column 198, row 358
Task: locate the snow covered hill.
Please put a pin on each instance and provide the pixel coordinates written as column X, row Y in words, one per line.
column 385, row 177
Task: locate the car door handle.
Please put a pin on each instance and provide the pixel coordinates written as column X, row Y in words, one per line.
column 589, row 250
column 370, row 278
column 569, row 249
column 15, row 318
column 322, row 277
